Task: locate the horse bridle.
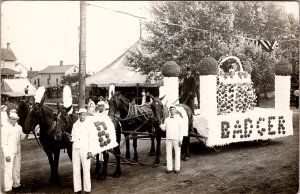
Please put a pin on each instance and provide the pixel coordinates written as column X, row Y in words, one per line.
column 32, row 127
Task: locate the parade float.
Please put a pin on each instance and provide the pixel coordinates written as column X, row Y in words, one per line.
column 228, row 111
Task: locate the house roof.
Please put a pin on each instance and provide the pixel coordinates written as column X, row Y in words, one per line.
column 7, row 55
column 7, row 71
column 31, row 73
column 119, row 74
column 21, row 65
column 56, row 69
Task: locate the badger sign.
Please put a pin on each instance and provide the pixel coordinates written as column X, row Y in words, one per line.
column 106, row 135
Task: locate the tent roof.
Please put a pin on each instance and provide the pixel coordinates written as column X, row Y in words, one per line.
column 15, row 87
column 119, row 74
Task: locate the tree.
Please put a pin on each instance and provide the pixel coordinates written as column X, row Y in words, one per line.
column 71, row 78
column 186, row 32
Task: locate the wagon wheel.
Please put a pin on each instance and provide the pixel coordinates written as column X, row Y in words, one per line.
column 263, row 142
column 218, row 148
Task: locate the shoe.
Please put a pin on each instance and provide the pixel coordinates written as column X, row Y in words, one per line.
column 16, row 185
column 168, row 171
column 78, row 192
column 177, row 171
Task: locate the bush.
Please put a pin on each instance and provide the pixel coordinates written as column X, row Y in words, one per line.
column 208, row 66
column 171, row 69
column 283, row 68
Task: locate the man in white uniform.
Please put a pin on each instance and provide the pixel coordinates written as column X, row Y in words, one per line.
column 173, row 127
column 11, row 135
column 101, row 108
column 82, row 145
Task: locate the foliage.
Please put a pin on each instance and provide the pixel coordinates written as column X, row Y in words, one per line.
column 71, row 78
column 283, row 68
column 171, row 69
column 221, row 22
column 208, row 66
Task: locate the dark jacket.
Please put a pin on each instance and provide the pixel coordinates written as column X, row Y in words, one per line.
column 188, row 87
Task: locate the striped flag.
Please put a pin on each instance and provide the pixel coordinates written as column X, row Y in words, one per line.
column 265, row 44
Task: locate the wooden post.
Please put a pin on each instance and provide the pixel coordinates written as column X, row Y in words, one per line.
column 82, row 55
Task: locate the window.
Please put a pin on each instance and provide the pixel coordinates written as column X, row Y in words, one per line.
column 56, row 81
column 74, row 69
column 35, row 82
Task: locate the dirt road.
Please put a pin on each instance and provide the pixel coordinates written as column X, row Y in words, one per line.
column 238, row 168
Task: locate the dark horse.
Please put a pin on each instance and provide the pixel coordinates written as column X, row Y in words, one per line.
column 136, row 124
column 160, row 112
column 64, row 127
column 46, row 119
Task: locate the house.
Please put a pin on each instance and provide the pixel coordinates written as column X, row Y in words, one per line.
column 23, row 71
column 8, row 63
column 52, row 75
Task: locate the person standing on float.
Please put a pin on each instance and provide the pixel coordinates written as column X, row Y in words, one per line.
column 188, row 89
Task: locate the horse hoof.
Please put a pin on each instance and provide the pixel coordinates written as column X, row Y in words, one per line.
column 135, row 160
column 186, row 158
column 151, row 154
column 101, row 177
column 117, row 175
column 155, row 165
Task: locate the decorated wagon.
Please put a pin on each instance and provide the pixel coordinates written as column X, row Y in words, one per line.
column 228, row 111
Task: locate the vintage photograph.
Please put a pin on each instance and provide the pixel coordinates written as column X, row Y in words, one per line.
column 149, row 97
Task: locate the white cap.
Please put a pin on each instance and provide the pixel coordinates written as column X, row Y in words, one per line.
column 82, row 110
column 101, row 102
column 13, row 115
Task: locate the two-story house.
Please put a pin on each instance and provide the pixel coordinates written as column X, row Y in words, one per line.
column 52, row 75
column 8, row 63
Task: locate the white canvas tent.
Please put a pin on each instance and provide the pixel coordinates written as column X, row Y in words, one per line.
column 119, row 74
column 15, row 87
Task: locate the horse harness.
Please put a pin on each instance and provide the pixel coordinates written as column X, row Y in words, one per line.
column 53, row 125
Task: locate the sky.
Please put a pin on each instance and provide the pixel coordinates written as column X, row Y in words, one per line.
column 42, row 33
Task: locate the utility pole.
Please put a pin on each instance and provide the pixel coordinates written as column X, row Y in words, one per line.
column 82, row 55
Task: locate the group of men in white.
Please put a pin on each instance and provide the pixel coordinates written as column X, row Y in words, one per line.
column 11, row 135
column 83, row 138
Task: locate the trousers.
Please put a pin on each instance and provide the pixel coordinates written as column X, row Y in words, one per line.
column 12, row 171
column 79, row 158
column 170, row 144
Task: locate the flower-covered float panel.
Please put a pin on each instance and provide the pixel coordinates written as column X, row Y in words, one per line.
column 257, row 124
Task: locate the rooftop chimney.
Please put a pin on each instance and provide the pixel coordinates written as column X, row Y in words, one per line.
column 61, row 63
column 8, row 45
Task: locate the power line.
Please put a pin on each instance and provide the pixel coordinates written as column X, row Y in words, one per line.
column 183, row 26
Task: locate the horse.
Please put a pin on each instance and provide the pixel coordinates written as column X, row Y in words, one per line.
column 45, row 117
column 135, row 124
column 160, row 112
column 64, row 127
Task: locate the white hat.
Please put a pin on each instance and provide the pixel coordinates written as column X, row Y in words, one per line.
column 13, row 115
column 101, row 102
column 82, row 110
